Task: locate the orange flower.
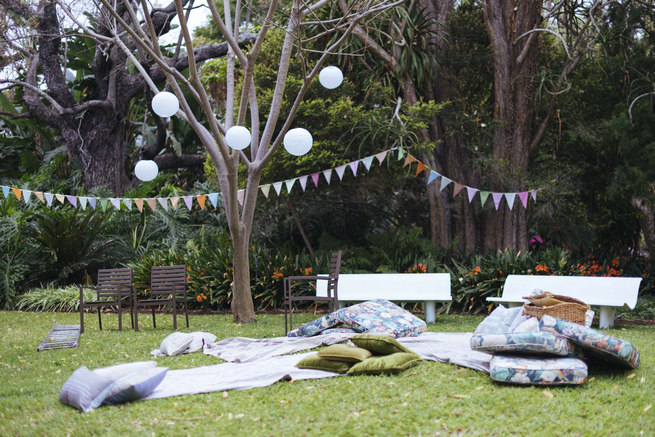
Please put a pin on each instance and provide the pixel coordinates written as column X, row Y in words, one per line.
column 475, row 271
column 308, row 271
column 277, row 275
column 543, row 268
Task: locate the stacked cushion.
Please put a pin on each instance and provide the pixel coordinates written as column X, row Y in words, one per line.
column 537, row 371
column 531, row 343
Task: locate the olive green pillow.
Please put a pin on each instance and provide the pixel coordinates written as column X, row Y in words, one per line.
column 317, row 363
column 379, row 344
column 393, row 363
column 344, row 352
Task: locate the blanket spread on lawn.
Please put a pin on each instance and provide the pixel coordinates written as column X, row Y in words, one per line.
column 262, row 362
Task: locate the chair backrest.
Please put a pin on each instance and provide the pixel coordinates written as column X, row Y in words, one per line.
column 333, row 281
column 113, row 283
column 165, row 280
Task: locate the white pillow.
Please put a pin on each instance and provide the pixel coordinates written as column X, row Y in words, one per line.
column 176, row 343
column 85, row 390
column 199, row 340
column 135, row 386
column 120, row 370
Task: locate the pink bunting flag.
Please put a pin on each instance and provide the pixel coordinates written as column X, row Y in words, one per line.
column 353, row 166
column 139, row 204
column 188, row 201
column 152, row 203
column 328, row 175
column 457, row 189
column 340, row 171
column 163, row 201
column 470, row 191
column 509, row 197
column 303, row 182
column 380, row 156
column 72, row 200
column 523, row 197
column 497, row 198
column 315, row 177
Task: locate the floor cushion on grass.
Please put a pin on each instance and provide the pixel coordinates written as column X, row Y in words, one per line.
column 136, row 385
column 593, row 344
column 387, row 364
column 85, row 390
column 521, row 343
column 537, row 371
column 379, row 344
column 377, row 315
column 345, row 353
column 315, row 362
column 118, row 371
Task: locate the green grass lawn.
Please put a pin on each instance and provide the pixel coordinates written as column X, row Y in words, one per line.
column 431, row 399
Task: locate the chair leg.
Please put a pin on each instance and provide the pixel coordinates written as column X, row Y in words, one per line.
column 174, row 315
column 136, row 318
column 99, row 319
column 186, row 313
column 120, row 317
column 81, row 318
column 154, row 324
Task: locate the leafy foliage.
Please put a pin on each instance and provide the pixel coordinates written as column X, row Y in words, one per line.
column 53, row 298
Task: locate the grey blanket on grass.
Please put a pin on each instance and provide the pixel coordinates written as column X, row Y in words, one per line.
column 262, row 362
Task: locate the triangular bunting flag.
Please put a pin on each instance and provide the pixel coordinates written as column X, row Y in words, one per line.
column 5, row 191
column 93, row 201
column 103, row 202
column 139, row 204
column 278, row 187
column 163, row 201
column 497, row 198
column 289, row 184
column 26, row 195
column 401, row 153
column 353, row 166
column 116, row 202
column 213, row 198
column 303, row 182
column 152, row 203
column 444, row 182
column 509, row 197
column 432, row 177
column 174, row 201
column 240, row 195
column 340, row 171
column 201, row 200
column 483, row 197
column 265, row 189
column 523, row 197
column 380, row 156
column 409, row 160
column 457, row 189
column 533, row 193
column 128, row 203
column 72, row 200
column 419, row 168
column 17, row 192
column 328, row 175
column 470, row 191
column 60, row 197
column 315, row 177
column 39, row 195
column 48, row 198
column 188, row 201
column 83, row 200
column 367, row 162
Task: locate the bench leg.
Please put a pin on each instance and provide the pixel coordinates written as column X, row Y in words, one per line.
column 429, row 306
column 606, row 316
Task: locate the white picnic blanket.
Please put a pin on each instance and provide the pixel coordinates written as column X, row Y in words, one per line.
column 262, row 362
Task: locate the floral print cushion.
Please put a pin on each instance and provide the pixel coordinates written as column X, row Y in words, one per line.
column 542, row 343
column 537, row 371
column 379, row 316
column 382, row 316
column 592, row 343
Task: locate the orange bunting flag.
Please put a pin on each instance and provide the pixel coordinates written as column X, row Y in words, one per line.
column 17, row 192
column 201, row 200
column 152, row 203
column 139, row 204
column 409, row 160
column 174, row 201
column 39, row 194
column 420, row 167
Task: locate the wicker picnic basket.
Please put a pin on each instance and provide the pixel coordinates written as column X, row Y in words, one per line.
column 568, row 308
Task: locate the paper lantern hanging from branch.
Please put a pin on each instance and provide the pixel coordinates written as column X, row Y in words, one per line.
column 146, row 170
column 165, row 104
column 238, row 137
column 330, row 77
column 298, row 141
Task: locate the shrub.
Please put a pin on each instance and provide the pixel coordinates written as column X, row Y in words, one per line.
column 53, row 298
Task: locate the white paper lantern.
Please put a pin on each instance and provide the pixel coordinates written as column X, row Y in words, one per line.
column 146, row 170
column 298, row 141
column 330, row 77
column 238, row 137
column 165, row 104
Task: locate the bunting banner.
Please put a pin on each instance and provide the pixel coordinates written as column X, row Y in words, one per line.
column 201, row 199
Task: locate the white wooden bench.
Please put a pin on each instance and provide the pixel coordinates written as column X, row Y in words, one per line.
column 428, row 288
column 606, row 292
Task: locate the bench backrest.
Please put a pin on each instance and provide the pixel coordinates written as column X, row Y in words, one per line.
column 410, row 287
column 593, row 290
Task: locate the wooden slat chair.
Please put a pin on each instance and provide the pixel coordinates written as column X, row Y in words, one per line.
column 331, row 297
column 114, row 289
column 167, row 287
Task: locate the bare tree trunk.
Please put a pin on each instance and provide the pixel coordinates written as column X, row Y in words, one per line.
column 646, row 215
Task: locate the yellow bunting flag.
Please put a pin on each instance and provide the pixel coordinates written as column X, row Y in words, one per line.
column 201, row 200
column 17, row 192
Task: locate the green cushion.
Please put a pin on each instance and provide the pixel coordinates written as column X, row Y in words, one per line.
column 379, row 344
column 317, row 363
column 344, row 352
column 393, row 363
